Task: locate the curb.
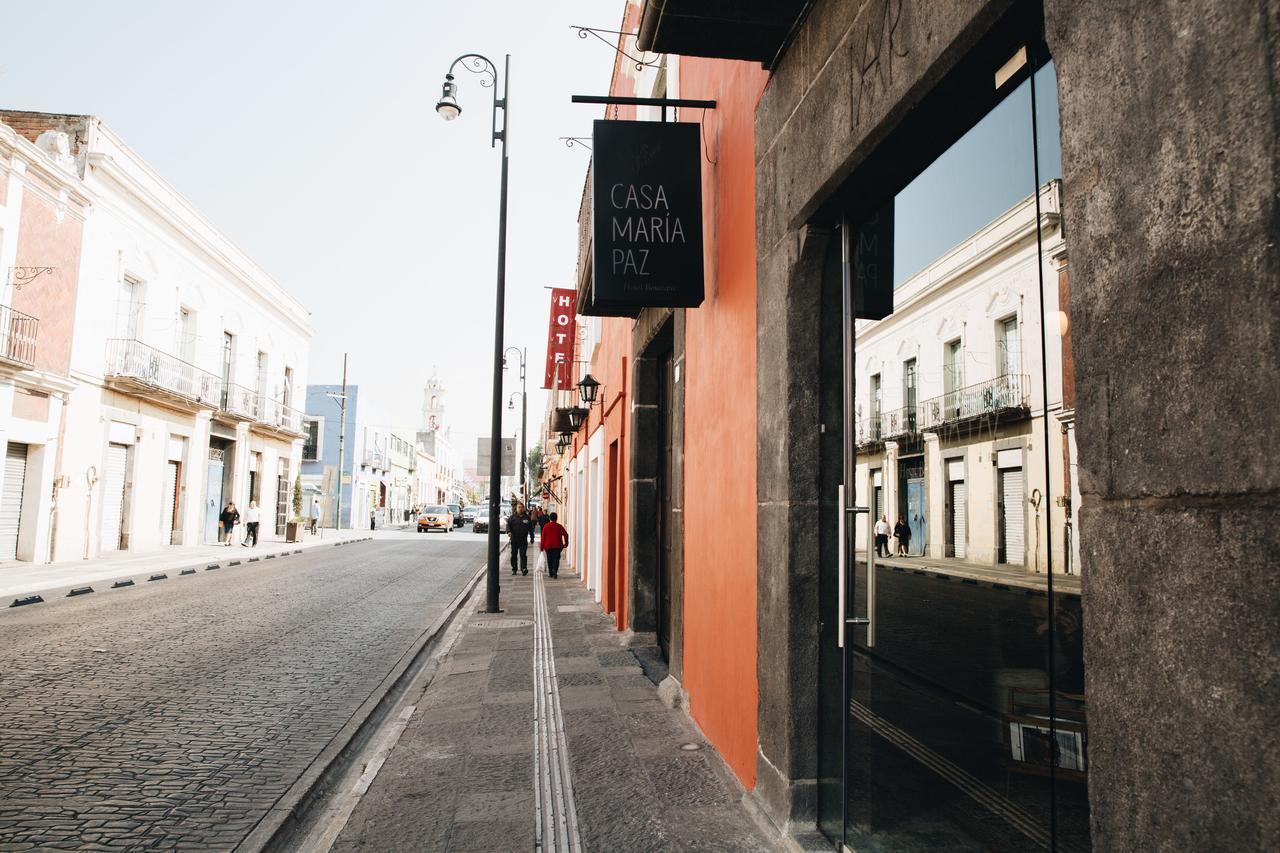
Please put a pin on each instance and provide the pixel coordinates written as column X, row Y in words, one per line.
column 287, row 815
column 57, row 592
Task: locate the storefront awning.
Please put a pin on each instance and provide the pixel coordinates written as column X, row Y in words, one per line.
column 721, row 29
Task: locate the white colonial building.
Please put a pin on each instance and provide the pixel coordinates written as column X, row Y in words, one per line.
column 187, row 363
column 952, row 397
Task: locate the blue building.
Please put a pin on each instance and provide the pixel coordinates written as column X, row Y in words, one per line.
column 320, row 480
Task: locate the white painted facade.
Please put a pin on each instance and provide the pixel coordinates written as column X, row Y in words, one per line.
column 183, row 346
column 971, row 324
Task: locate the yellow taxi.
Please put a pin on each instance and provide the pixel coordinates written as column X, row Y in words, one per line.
column 435, row 518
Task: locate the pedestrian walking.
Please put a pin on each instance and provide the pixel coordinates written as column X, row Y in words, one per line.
column 535, row 523
column 252, row 516
column 315, row 515
column 373, row 519
column 518, row 532
column 230, row 517
column 882, row 537
column 902, row 533
column 553, row 541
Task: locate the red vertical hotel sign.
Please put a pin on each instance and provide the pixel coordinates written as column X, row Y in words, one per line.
column 561, row 336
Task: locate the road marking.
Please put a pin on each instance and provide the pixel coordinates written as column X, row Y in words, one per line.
column 556, row 814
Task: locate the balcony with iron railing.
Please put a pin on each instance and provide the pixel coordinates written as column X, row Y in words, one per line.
column 238, row 403
column 17, row 337
column 275, row 416
column 1005, row 396
column 886, row 426
column 134, row 367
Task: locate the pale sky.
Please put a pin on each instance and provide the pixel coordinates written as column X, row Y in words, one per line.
column 306, row 131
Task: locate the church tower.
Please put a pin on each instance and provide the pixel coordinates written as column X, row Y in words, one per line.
column 433, row 397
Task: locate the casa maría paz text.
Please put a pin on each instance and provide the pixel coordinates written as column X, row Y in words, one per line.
column 638, row 223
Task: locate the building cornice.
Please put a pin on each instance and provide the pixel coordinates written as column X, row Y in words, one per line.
column 145, row 186
column 33, row 160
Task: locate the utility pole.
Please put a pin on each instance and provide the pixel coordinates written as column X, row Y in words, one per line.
column 524, row 431
column 342, row 439
column 524, row 417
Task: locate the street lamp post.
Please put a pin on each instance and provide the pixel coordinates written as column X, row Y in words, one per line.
column 524, row 422
column 342, row 438
column 449, row 109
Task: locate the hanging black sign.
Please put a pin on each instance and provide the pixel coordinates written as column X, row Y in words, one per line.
column 647, row 215
column 871, row 252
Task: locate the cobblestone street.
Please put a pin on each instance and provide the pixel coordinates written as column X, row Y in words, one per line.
column 173, row 715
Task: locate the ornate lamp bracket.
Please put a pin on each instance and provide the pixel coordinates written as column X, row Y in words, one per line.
column 20, row 276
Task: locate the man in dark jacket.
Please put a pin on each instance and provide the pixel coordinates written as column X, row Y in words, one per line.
column 518, row 530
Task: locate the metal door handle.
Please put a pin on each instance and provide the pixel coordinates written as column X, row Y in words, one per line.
column 841, row 546
column 870, row 621
column 843, row 586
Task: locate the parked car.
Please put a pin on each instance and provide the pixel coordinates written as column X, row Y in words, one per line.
column 456, row 510
column 480, row 524
column 435, row 518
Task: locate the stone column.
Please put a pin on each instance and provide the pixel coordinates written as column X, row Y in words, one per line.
column 790, row 428
column 1172, row 199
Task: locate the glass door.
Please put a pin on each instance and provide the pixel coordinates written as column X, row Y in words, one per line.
column 964, row 722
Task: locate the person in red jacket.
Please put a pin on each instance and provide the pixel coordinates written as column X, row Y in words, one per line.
column 553, row 541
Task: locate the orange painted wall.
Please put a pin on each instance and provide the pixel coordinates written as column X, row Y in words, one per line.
column 720, row 421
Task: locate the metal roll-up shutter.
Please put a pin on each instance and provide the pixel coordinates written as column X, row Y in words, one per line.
column 169, row 509
column 1012, row 496
column 879, row 505
column 15, row 479
column 959, row 516
column 113, row 495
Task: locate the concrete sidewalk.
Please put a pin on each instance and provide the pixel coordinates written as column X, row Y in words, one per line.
column 19, row 579
column 1015, row 576
column 540, row 731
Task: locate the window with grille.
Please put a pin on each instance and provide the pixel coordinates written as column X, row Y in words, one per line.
column 311, row 443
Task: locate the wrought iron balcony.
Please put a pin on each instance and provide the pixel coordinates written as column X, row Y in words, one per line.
column 135, row 367
column 238, row 402
column 1004, row 396
column 887, row 426
column 17, row 337
column 276, row 416
column 868, row 432
column 290, row 419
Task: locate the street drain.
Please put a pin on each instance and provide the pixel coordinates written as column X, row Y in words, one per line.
column 501, row 623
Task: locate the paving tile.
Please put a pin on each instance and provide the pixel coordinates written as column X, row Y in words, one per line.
column 635, row 789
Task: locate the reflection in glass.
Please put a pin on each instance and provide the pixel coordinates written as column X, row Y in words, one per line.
column 967, row 719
